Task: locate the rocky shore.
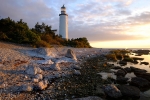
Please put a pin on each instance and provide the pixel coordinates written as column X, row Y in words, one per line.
column 61, row 73
column 31, row 73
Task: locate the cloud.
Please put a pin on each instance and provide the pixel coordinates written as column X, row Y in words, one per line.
column 142, row 18
column 98, row 20
column 30, row 11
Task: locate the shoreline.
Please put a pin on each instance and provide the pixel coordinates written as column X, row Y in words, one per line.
column 59, row 77
column 15, row 59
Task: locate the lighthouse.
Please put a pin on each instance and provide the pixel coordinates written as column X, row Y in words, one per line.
column 63, row 23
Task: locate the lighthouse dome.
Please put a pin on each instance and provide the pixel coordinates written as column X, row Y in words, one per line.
column 63, row 7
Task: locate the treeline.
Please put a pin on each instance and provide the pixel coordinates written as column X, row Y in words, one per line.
column 39, row 36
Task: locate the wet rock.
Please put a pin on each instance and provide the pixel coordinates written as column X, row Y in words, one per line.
column 129, row 91
column 121, row 72
column 143, row 75
column 141, row 83
column 27, row 88
column 55, row 67
column 122, row 62
column 112, row 91
column 117, row 67
column 145, row 63
column 137, row 58
column 88, row 98
column 128, row 70
column 33, row 70
column 121, row 80
column 142, row 51
column 71, row 54
column 137, row 70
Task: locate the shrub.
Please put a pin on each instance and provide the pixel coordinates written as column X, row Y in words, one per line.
column 41, row 43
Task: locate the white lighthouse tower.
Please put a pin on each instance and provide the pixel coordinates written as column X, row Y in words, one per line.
column 63, row 23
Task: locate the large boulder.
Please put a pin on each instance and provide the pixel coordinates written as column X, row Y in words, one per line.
column 137, row 70
column 33, row 70
column 121, row 72
column 112, row 91
column 141, row 83
column 121, row 80
column 55, row 67
column 71, row 54
column 143, row 75
column 129, row 91
column 128, row 70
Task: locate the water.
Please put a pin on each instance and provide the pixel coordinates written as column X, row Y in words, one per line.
column 143, row 95
column 141, row 66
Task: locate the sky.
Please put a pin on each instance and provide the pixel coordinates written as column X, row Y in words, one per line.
column 105, row 23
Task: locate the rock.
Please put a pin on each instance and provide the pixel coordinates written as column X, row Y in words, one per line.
column 76, row 67
column 141, row 83
column 35, row 80
column 55, row 67
column 146, row 52
column 71, row 54
column 32, row 70
column 143, row 75
column 123, row 62
column 88, row 98
column 42, row 85
column 44, row 62
column 1, row 61
column 39, row 76
column 137, row 70
column 121, row 80
column 137, row 58
column 145, row 63
column 128, row 70
column 99, row 92
column 27, row 88
column 116, row 67
column 44, row 51
column 121, row 72
column 112, row 91
column 76, row 72
column 129, row 91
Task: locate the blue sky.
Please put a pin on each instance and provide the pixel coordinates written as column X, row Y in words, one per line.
column 105, row 23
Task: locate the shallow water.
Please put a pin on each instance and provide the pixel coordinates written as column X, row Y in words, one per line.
column 143, row 95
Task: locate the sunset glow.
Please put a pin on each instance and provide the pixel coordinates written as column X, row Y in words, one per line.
column 105, row 23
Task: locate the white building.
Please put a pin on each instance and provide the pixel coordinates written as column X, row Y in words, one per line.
column 63, row 23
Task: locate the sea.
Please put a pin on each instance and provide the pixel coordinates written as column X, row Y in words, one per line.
column 143, row 95
column 141, row 66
